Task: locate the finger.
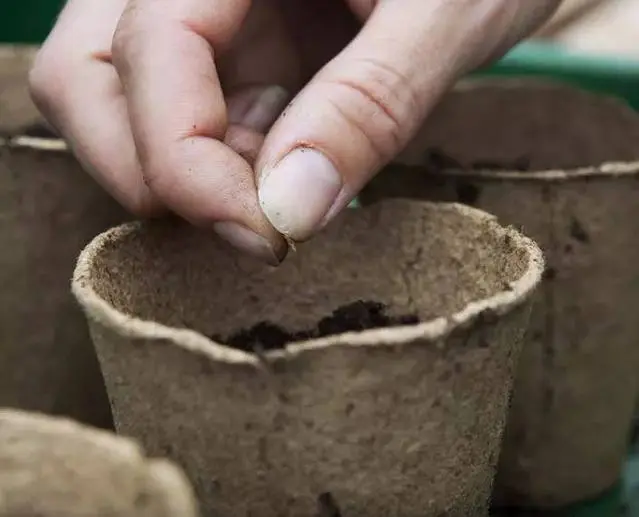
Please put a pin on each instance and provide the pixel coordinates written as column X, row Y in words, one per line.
column 251, row 113
column 164, row 53
column 257, row 107
column 78, row 91
column 258, row 73
column 365, row 105
column 526, row 18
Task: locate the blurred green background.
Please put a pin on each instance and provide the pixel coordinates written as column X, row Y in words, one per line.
column 27, row 21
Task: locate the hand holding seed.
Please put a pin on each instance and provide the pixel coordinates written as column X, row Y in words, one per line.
column 180, row 105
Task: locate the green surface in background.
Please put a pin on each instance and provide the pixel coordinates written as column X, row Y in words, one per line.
column 631, row 478
column 609, row 75
column 27, row 21
column 609, row 504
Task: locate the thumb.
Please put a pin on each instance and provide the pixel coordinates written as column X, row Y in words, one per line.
column 365, row 105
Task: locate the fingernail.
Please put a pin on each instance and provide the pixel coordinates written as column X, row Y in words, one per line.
column 248, row 241
column 260, row 110
column 298, row 192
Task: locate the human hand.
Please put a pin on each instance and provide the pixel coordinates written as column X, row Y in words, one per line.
column 170, row 105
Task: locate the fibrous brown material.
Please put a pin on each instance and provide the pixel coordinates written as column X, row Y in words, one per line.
column 401, row 421
column 51, row 467
column 563, row 165
column 16, row 108
column 49, row 209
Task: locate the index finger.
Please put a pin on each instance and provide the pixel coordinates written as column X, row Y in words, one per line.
column 164, row 52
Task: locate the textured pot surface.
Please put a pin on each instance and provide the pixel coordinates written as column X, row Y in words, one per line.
column 16, row 108
column 401, row 421
column 49, row 209
column 578, row 198
column 52, row 467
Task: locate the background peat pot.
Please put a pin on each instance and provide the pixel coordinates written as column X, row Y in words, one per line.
column 562, row 165
column 52, row 467
column 49, row 209
column 16, row 108
column 402, row 421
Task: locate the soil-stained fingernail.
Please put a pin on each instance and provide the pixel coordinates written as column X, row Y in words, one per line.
column 250, row 242
column 298, row 192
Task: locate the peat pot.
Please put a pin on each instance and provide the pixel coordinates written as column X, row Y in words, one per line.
column 404, row 420
column 53, row 467
column 561, row 164
column 49, row 209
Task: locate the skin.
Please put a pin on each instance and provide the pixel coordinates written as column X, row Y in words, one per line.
column 259, row 120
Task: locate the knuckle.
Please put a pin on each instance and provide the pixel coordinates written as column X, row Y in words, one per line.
column 379, row 92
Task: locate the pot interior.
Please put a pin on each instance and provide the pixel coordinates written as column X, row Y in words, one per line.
column 525, row 125
column 417, row 258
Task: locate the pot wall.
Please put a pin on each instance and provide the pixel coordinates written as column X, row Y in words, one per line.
column 49, row 208
column 16, row 108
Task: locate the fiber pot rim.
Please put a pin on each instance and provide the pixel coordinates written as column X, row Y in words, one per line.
column 607, row 169
column 433, row 331
column 35, row 143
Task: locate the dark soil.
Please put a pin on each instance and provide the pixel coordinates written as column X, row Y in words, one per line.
column 356, row 316
column 438, row 160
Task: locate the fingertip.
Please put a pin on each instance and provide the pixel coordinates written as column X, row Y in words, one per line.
column 216, row 190
column 299, row 191
column 244, row 239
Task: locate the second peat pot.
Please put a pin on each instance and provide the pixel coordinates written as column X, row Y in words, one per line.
column 562, row 165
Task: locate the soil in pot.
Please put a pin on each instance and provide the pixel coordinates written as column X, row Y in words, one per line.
column 562, row 165
column 402, row 420
column 353, row 317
